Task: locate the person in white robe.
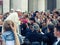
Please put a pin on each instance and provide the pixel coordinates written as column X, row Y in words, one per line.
column 14, row 17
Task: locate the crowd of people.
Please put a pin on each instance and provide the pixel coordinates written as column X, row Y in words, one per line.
column 37, row 28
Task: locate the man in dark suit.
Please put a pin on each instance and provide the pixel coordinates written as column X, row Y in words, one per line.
column 49, row 37
column 34, row 36
column 57, row 34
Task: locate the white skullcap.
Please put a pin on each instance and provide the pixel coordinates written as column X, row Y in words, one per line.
column 18, row 10
column 12, row 9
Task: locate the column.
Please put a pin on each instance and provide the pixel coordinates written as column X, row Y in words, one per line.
column 57, row 3
column 1, row 5
column 16, row 4
column 41, row 5
column 33, row 5
column 24, row 5
column 30, row 5
column 6, row 6
column 20, row 4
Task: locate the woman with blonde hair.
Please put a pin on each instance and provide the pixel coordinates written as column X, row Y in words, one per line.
column 9, row 36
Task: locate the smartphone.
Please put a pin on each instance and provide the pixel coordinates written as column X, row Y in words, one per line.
column 12, row 24
column 0, row 29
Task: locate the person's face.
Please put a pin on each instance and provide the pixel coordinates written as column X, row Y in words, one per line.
column 37, row 14
column 44, row 24
column 56, row 33
column 31, row 21
column 19, row 13
column 55, row 14
column 32, row 28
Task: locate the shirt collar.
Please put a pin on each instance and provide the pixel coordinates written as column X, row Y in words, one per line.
column 58, row 39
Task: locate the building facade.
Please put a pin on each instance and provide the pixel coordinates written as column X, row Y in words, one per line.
column 29, row 5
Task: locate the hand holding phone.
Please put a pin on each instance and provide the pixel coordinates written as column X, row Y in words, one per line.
column 13, row 27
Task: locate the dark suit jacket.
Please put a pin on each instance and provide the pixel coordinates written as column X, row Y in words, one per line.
column 49, row 38
column 23, row 32
column 34, row 36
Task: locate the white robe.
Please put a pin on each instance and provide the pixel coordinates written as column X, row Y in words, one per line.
column 14, row 17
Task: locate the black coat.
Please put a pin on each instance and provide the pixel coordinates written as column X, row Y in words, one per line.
column 49, row 38
column 24, row 32
column 34, row 36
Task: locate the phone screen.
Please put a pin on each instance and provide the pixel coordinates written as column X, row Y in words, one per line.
column 0, row 29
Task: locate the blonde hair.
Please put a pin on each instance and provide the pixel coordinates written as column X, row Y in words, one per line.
column 6, row 27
